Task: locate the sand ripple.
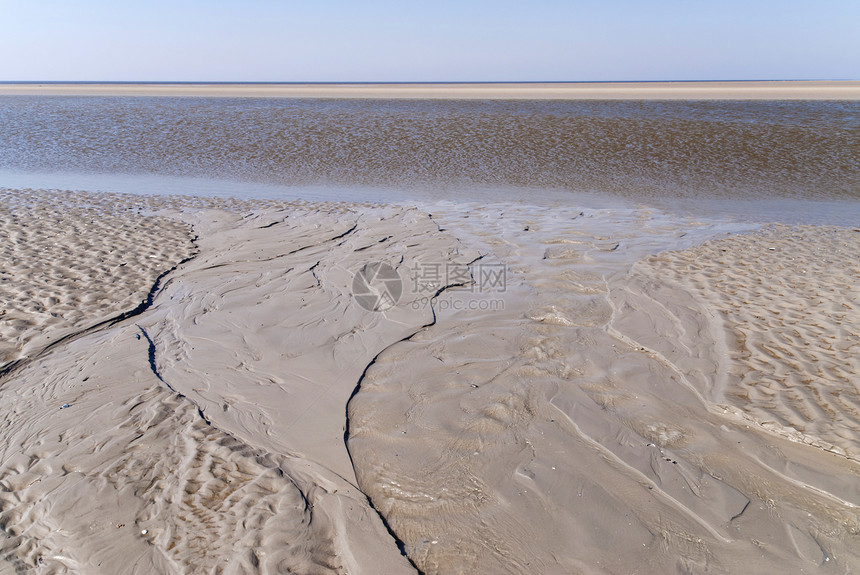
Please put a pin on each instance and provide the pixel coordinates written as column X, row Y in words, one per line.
column 204, row 432
column 790, row 301
column 69, row 263
column 611, row 416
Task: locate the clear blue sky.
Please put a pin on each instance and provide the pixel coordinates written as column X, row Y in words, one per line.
column 415, row 40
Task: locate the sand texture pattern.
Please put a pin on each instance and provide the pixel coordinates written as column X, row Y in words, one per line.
column 68, row 264
column 632, row 398
column 205, row 432
column 554, row 437
column 789, row 299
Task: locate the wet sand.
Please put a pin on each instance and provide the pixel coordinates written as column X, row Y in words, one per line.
column 782, row 90
column 642, row 393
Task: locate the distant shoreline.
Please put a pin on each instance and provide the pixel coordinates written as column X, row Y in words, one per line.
column 734, row 90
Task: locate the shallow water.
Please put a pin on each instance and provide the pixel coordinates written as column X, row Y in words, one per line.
column 641, row 151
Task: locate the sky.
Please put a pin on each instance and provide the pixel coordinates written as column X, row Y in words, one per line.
column 422, row 41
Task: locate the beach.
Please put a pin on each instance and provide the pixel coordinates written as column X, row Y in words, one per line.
column 200, row 385
column 430, row 328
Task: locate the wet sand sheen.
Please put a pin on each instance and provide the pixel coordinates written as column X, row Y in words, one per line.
column 252, row 417
column 574, row 431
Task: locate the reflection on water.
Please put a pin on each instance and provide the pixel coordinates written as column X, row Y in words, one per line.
column 636, row 150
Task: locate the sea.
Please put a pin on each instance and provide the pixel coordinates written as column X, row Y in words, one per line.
column 786, row 160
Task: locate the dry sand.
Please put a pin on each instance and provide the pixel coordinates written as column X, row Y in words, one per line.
column 644, row 393
column 782, row 90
